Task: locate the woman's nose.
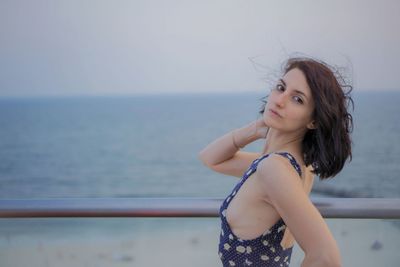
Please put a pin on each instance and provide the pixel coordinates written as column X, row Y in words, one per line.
column 280, row 100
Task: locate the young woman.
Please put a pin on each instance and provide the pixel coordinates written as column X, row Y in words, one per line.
column 307, row 128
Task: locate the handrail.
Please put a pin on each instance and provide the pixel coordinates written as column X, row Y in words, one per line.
column 374, row 208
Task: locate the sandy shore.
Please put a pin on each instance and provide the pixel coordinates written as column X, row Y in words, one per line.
column 364, row 243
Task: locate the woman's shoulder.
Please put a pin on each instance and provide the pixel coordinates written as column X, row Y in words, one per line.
column 277, row 169
column 277, row 172
column 278, row 180
column 281, row 162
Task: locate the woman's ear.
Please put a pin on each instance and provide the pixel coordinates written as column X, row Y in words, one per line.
column 311, row 125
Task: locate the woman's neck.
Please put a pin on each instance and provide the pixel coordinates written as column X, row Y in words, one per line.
column 281, row 141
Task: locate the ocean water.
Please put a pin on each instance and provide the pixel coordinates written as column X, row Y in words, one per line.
column 147, row 146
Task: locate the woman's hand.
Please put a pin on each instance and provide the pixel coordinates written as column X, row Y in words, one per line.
column 260, row 128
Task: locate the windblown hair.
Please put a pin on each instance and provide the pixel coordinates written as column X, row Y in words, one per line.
column 329, row 145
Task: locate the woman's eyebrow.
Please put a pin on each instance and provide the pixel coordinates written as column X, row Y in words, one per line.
column 297, row 91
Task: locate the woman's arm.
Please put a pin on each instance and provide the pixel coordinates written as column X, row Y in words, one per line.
column 222, row 155
column 283, row 189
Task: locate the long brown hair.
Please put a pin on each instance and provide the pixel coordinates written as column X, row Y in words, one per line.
column 329, row 145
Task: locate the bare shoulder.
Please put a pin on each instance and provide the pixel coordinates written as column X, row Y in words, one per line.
column 276, row 173
column 284, row 190
column 276, row 170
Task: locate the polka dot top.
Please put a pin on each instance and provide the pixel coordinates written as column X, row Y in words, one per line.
column 264, row 250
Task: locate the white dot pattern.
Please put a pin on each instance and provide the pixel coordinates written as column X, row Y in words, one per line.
column 264, row 250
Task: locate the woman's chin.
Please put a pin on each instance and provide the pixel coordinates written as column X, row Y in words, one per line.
column 270, row 122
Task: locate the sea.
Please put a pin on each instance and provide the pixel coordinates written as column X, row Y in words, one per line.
column 148, row 145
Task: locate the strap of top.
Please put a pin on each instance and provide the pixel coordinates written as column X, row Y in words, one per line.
column 292, row 160
column 288, row 156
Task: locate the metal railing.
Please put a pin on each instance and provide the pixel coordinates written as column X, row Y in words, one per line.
column 374, row 208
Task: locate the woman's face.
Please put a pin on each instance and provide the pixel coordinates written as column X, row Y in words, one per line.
column 292, row 101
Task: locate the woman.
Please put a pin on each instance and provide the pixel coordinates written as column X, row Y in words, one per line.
column 307, row 128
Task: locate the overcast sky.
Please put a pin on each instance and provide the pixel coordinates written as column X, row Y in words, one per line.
column 127, row 47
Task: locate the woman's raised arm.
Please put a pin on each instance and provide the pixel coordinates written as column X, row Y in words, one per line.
column 222, row 154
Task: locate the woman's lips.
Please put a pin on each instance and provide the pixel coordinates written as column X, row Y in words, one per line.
column 275, row 113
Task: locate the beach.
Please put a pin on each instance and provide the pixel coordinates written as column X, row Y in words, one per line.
column 363, row 242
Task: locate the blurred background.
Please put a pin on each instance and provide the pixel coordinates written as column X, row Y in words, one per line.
column 116, row 99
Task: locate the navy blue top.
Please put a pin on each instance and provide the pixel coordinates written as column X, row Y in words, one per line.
column 264, row 250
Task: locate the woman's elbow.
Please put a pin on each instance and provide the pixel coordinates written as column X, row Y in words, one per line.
column 320, row 262
column 202, row 159
column 331, row 262
column 329, row 259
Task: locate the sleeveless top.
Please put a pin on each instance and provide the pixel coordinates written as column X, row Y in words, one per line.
column 264, row 250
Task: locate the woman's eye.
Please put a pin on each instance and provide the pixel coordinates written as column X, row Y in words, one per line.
column 298, row 99
column 280, row 87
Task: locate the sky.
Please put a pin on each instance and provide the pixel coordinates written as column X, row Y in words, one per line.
column 95, row 47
